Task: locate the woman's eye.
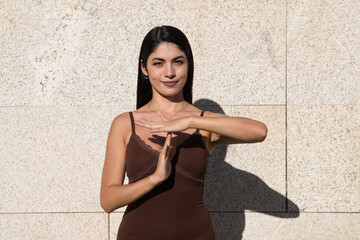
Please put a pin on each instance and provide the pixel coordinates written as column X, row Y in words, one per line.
column 179, row 62
column 157, row 63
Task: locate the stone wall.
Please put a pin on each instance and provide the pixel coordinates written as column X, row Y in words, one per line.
column 69, row 67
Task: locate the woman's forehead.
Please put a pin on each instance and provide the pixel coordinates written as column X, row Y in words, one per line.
column 167, row 50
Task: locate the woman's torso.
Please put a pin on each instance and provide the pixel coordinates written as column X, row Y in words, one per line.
column 175, row 209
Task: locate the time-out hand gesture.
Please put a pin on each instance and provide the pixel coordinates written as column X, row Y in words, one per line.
column 173, row 125
column 163, row 168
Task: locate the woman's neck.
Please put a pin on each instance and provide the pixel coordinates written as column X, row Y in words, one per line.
column 167, row 105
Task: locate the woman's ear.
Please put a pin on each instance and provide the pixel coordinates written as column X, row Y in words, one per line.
column 143, row 68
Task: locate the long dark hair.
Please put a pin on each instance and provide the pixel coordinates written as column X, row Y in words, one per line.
column 156, row 36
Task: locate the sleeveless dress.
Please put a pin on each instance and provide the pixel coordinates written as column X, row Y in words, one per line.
column 174, row 210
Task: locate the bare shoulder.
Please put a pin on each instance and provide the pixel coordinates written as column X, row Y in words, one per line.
column 122, row 120
column 121, row 125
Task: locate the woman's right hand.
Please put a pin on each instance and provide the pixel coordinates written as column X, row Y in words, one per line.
column 114, row 193
column 163, row 169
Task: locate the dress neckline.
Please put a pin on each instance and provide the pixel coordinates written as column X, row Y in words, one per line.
column 155, row 152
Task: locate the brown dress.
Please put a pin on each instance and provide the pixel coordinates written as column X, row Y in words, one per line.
column 174, row 210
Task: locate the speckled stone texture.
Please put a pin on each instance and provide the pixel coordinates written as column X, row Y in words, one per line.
column 57, row 52
column 67, row 68
column 308, row 226
column 54, row 226
column 323, row 52
column 52, row 157
column 323, row 157
column 115, row 219
column 250, row 176
column 280, row 226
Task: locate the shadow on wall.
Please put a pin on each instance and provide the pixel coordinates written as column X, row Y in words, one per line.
column 230, row 191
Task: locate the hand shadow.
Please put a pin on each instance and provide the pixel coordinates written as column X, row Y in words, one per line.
column 230, row 191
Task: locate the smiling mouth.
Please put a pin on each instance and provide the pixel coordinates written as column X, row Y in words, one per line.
column 170, row 83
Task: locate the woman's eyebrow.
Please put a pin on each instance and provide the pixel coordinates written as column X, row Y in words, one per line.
column 163, row 60
column 178, row 57
column 157, row 59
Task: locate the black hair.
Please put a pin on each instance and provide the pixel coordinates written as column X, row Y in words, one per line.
column 152, row 40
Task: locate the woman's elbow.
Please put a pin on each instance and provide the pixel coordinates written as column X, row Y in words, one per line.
column 105, row 206
column 261, row 132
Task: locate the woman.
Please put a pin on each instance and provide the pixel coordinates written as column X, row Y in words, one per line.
column 163, row 147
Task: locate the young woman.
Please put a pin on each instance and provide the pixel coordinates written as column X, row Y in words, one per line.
column 163, row 147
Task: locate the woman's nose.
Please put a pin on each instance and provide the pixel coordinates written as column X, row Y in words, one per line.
column 170, row 71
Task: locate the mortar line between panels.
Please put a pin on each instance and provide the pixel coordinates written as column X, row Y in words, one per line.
column 286, row 118
column 237, row 105
column 112, row 106
column 279, row 212
column 39, row 213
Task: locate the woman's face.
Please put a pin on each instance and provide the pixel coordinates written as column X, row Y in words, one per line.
column 167, row 69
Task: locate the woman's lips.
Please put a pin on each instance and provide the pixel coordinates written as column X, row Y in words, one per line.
column 170, row 83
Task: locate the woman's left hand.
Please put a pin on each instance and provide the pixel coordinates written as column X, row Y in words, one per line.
column 172, row 125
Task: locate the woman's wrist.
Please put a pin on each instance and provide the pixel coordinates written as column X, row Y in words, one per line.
column 155, row 180
column 191, row 122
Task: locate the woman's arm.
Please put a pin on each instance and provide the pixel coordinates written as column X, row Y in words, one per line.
column 223, row 129
column 113, row 193
column 229, row 130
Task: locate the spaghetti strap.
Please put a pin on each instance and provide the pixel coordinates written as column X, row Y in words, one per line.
column 202, row 113
column 132, row 122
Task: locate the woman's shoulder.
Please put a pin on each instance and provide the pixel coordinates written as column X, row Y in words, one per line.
column 122, row 117
column 121, row 122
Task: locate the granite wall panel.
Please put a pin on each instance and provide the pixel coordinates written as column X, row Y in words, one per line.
column 78, row 53
column 69, row 67
column 115, row 220
column 81, row 226
column 323, row 52
column 250, row 176
column 309, row 226
column 52, row 158
column 323, row 157
column 273, row 225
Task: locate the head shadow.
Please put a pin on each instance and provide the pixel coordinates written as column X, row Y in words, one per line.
column 230, row 191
